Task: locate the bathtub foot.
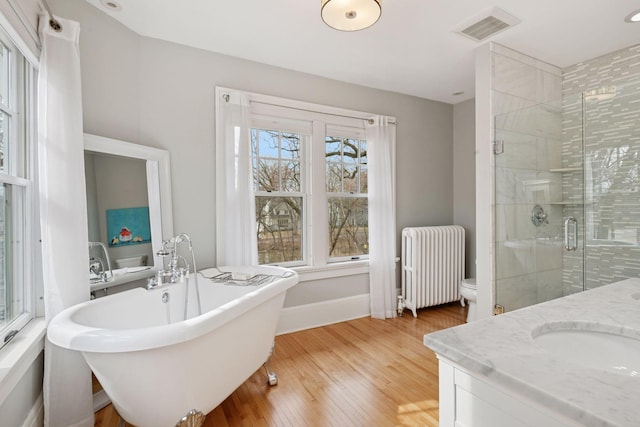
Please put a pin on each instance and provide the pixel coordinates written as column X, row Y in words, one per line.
column 192, row 419
column 271, row 376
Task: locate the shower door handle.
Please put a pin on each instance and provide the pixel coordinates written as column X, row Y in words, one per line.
column 571, row 244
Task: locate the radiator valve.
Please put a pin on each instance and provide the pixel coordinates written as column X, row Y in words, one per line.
column 400, row 305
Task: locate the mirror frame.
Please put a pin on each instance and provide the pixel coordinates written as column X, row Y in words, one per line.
column 158, row 183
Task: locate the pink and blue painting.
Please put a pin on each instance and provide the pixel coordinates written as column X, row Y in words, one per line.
column 128, row 226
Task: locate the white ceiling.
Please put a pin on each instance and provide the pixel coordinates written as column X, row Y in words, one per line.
column 412, row 49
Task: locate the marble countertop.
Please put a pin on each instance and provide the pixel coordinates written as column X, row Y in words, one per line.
column 122, row 276
column 502, row 349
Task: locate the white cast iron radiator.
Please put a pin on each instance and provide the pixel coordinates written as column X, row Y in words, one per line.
column 432, row 266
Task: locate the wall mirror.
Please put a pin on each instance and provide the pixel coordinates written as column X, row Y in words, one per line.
column 129, row 208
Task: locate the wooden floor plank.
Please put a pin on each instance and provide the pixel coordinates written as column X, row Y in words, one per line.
column 363, row 372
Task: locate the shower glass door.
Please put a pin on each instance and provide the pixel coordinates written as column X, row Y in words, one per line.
column 539, row 209
column 612, row 148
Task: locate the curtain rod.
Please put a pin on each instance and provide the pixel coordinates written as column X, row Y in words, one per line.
column 370, row 121
column 53, row 22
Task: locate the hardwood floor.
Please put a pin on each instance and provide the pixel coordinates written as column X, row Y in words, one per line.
column 363, row 372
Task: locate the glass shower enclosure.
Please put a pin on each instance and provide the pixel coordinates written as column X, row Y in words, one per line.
column 567, row 201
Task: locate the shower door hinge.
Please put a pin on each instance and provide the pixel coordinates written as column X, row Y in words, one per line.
column 498, row 309
column 498, row 146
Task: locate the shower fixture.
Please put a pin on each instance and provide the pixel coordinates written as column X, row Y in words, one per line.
column 539, row 216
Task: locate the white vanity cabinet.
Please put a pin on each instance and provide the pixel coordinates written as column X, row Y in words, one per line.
column 495, row 372
column 468, row 400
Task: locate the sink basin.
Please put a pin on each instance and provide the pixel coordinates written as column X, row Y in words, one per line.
column 594, row 349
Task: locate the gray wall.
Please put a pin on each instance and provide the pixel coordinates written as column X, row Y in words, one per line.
column 464, row 177
column 161, row 94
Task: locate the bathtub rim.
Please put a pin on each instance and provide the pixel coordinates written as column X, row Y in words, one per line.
column 64, row 332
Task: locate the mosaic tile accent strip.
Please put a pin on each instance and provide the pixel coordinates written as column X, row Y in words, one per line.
column 611, row 130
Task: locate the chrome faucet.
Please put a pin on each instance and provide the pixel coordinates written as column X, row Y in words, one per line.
column 97, row 265
column 174, row 271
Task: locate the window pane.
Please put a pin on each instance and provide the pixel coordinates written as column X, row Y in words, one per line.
column 344, row 162
column 4, row 75
column 333, row 149
column 333, row 159
column 268, row 143
column 11, row 253
column 350, row 159
column 348, row 226
column 279, row 225
column 267, row 175
column 290, row 175
column 364, row 182
column 333, row 176
column 4, row 146
column 276, row 160
column 290, row 146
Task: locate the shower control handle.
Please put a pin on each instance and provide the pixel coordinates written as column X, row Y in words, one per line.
column 571, row 244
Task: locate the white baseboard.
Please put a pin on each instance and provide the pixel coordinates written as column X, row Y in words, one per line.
column 100, row 400
column 323, row 313
column 35, row 417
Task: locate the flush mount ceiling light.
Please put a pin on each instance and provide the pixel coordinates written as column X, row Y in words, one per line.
column 633, row 17
column 350, row 15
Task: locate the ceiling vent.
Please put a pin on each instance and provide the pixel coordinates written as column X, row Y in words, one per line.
column 488, row 24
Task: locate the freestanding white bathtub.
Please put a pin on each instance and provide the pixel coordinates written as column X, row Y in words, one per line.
column 155, row 366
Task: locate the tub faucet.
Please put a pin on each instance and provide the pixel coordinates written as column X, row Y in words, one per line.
column 97, row 266
column 174, row 273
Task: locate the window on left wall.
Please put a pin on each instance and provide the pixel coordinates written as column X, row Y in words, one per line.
column 17, row 217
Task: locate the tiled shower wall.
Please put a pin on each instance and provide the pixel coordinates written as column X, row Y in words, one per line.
column 528, row 258
column 612, row 151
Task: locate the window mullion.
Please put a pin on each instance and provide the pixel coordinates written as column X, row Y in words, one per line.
column 319, row 213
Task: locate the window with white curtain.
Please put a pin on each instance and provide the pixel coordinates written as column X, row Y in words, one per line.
column 17, row 106
column 310, row 182
column 305, row 169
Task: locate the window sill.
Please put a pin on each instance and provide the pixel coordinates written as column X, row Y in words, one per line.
column 329, row 271
column 17, row 356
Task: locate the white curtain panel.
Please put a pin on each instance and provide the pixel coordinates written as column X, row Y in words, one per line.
column 67, row 391
column 381, row 141
column 236, row 222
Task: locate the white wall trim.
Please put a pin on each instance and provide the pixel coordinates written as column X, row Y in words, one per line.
column 100, row 400
column 332, row 270
column 485, row 196
column 35, row 417
column 18, row 355
column 323, row 313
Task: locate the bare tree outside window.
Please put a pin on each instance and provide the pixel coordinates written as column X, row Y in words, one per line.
column 280, row 194
column 279, row 207
column 346, row 184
